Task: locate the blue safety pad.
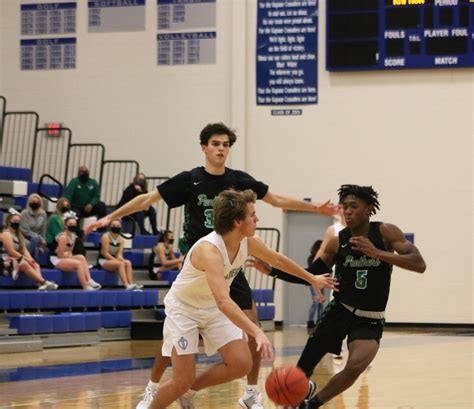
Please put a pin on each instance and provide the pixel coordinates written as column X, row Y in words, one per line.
column 93, row 238
column 136, row 257
column 144, row 242
column 115, row 319
column 93, row 321
column 46, row 188
column 21, row 201
column 266, row 312
column 169, row 275
column 151, row 297
column 10, row 173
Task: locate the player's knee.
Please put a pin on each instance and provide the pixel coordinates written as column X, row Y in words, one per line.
column 242, row 365
column 354, row 369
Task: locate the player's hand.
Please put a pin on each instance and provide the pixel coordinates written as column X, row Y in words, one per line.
column 327, row 208
column 264, row 346
column 105, row 221
column 364, row 245
column 323, row 281
column 259, row 265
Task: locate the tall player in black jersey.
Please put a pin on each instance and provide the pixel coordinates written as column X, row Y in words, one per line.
column 363, row 253
column 196, row 189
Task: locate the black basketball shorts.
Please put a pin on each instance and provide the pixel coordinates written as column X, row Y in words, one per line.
column 240, row 291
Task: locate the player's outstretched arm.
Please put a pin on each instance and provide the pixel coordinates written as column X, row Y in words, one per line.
column 135, row 205
column 407, row 256
column 290, row 203
column 206, row 257
column 258, row 249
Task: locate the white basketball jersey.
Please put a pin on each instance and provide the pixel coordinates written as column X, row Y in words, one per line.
column 191, row 286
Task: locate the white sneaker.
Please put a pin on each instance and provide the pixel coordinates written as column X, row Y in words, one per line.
column 251, row 400
column 48, row 285
column 186, row 401
column 94, row 284
column 147, row 397
column 139, row 286
column 130, row 287
column 90, row 288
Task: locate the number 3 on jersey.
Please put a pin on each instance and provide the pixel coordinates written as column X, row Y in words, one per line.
column 209, row 222
column 361, row 281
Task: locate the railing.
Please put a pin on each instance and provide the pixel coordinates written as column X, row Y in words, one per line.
column 271, row 237
column 3, row 108
column 91, row 155
column 18, row 136
column 44, row 194
column 51, row 153
column 162, row 211
column 116, row 175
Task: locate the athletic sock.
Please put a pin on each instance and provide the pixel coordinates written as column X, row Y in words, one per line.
column 153, row 385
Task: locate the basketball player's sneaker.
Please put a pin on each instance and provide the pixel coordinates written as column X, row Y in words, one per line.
column 251, row 399
column 309, row 402
column 186, row 401
column 147, row 397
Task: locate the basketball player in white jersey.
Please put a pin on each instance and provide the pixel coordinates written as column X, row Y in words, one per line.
column 198, row 302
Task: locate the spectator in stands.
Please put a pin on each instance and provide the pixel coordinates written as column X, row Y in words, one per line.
column 15, row 248
column 84, row 194
column 33, row 225
column 163, row 257
column 111, row 256
column 55, row 224
column 136, row 188
column 64, row 257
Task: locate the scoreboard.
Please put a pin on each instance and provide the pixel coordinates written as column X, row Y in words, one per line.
column 398, row 34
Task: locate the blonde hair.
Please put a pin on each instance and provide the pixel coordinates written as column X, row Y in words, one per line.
column 229, row 206
column 35, row 196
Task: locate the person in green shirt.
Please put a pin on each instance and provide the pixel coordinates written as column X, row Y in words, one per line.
column 55, row 224
column 84, row 194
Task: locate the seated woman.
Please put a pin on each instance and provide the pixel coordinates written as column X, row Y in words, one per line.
column 15, row 248
column 65, row 259
column 55, row 224
column 163, row 257
column 111, row 256
column 33, row 225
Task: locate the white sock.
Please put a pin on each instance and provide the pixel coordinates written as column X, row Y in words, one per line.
column 252, row 388
column 153, row 385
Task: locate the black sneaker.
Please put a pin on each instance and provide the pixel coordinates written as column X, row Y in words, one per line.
column 312, row 404
column 309, row 401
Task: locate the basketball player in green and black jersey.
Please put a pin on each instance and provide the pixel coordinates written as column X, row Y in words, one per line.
column 196, row 189
column 363, row 253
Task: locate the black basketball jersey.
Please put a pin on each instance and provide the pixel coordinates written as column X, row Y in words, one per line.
column 364, row 282
column 196, row 189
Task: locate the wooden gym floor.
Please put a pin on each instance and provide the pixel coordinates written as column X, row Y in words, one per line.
column 413, row 370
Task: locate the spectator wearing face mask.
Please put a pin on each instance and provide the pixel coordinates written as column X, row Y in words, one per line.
column 84, row 194
column 163, row 257
column 13, row 247
column 33, row 225
column 136, row 188
column 55, row 223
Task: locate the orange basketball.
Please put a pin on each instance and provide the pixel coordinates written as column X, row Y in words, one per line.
column 287, row 385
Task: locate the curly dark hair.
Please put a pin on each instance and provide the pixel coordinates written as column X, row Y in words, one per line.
column 365, row 193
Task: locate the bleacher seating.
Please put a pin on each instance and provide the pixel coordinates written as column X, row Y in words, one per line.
column 70, row 299
column 262, row 298
column 53, row 309
column 104, row 278
column 70, row 322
